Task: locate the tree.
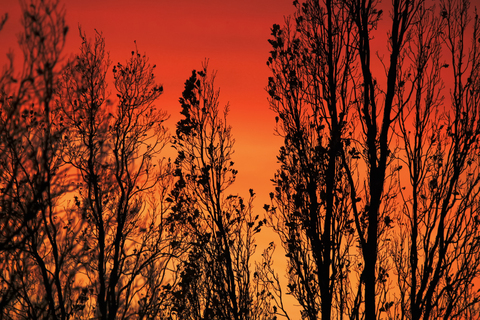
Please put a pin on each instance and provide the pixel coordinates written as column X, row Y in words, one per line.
column 115, row 149
column 312, row 62
column 34, row 246
column 377, row 111
column 436, row 255
column 215, row 271
column 338, row 179
column 83, row 230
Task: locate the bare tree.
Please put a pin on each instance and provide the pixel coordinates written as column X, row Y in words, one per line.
column 115, row 148
column 437, row 253
column 215, row 272
column 97, row 246
column 313, row 65
column 35, row 243
column 337, row 115
column 377, row 111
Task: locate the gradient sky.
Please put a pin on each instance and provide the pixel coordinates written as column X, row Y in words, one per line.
column 178, row 36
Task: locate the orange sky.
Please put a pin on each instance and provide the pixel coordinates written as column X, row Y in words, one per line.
column 178, row 36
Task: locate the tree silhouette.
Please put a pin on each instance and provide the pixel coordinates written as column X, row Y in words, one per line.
column 35, row 244
column 376, row 198
column 220, row 228
column 312, row 64
column 115, row 149
column 83, row 185
column 436, row 254
column 339, row 180
column 372, row 198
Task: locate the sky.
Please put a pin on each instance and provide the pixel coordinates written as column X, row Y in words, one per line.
column 178, row 36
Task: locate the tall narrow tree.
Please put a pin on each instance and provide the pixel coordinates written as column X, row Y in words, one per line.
column 115, row 149
column 313, row 66
column 35, row 244
column 437, row 252
column 220, row 227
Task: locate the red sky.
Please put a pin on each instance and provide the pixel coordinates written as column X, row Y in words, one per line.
column 178, row 36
